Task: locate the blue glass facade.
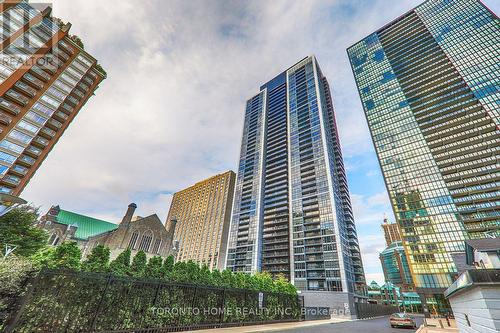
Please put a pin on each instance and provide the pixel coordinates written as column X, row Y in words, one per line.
column 429, row 85
column 305, row 229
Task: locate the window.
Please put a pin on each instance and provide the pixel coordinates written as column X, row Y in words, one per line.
column 133, row 240
column 156, row 247
column 146, row 240
column 54, row 239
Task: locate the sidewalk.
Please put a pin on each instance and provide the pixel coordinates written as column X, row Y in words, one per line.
column 271, row 327
column 435, row 326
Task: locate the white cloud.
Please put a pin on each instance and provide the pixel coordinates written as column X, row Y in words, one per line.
column 179, row 72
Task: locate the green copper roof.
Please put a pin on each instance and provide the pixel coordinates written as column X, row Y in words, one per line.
column 87, row 226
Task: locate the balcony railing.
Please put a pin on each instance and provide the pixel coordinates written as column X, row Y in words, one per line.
column 12, row 180
column 4, row 119
column 20, row 98
column 26, row 160
column 41, row 141
column 48, row 132
column 9, row 106
column 25, row 88
column 33, row 80
column 20, row 170
column 61, row 115
column 54, row 123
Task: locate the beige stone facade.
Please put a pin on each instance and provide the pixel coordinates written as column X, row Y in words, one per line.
column 203, row 213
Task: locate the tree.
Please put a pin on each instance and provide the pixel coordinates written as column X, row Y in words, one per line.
column 98, row 260
column 17, row 228
column 167, row 268
column 121, row 265
column 139, row 263
column 67, row 255
column 282, row 285
column 154, row 267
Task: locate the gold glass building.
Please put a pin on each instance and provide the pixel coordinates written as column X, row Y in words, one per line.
column 203, row 213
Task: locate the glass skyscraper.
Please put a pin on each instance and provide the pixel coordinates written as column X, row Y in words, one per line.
column 292, row 212
column 430, row 87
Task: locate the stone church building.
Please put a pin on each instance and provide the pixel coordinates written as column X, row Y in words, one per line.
column 137, row 233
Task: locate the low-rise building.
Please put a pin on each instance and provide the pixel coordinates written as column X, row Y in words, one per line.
column 391, row 294
column 474, row 296
column 137, row 233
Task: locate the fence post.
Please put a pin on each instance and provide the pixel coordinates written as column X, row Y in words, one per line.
column 98, row 309
column 13, row 319
column 223, row 307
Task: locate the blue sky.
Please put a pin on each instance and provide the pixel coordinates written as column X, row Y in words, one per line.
column 171, row 111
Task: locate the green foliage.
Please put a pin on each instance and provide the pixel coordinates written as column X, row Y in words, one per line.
column 67, row 255
column 139, row 263
column 154, row 268
column 43, row 258
column 14, row 270
column 167, row 268
column 98, row 260
column 121, row 265
column 17, row 228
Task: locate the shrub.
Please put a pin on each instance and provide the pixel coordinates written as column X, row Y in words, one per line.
column 139, row 263
column 98, row 260
column 121, row 265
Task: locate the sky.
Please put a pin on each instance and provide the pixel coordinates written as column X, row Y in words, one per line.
column 171, row 111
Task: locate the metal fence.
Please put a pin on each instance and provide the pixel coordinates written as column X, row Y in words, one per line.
column 58, row 301
column 368, row 310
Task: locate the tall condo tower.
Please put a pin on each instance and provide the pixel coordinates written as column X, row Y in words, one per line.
column 45, row 79
column 430, row 87
column 292, row 213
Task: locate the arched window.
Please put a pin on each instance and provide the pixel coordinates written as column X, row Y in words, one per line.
column 133, row 240
column 156, row 247
column 146, row 240
column 54, row 239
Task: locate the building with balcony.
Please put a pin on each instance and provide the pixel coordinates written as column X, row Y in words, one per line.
column 45, row 79
column 203, row 213
column 292, row 213
column 430, row 92
column 134, row 232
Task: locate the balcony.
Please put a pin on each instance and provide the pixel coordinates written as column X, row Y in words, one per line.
column 26, row 160
column 4, row 119
column 19, row 170
column 33, row 151
column 40, row 73
column 67, row 108
column 40, row 141
column 61, row 116
column 9, row 106
column 11, row 180
column 48, row 133
column 54, row 124
column 25, row 88
column 33, row 81
column 17, row 97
